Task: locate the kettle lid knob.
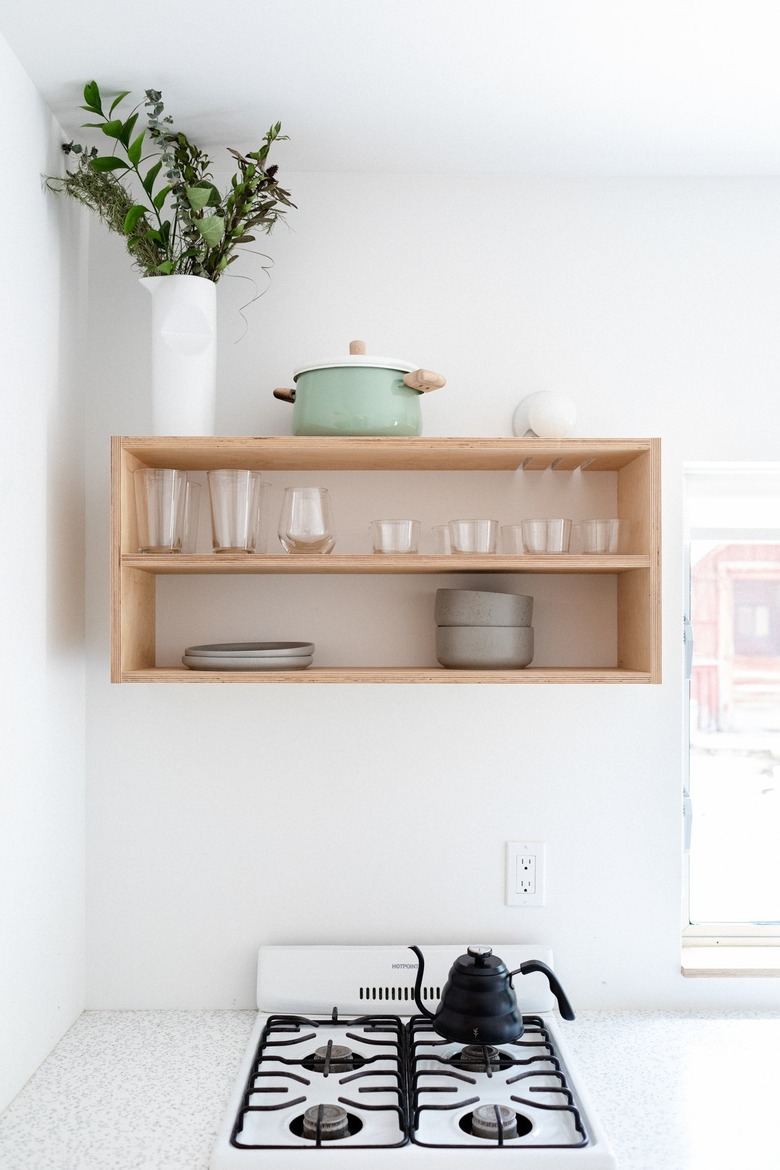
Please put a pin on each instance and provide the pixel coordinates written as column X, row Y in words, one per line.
column 481, row 954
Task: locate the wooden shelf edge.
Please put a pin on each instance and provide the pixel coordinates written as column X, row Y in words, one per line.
column 391, row 674
column 237, row 564
column 383, row 452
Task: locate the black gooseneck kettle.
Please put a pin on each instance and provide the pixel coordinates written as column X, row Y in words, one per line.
column 478, row 1002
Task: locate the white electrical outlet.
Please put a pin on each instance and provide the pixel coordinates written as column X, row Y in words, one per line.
column 525, row 873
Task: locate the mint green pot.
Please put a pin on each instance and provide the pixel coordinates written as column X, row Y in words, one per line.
column 355, row 400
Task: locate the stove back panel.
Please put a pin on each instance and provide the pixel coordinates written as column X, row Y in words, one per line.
column 314, row 979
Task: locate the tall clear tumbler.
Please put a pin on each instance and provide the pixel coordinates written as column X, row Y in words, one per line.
column 236, row 498
column 306, row 523
column 160, row 504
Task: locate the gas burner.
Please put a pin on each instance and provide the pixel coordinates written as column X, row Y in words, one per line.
column 333, row 1058
column 479, row 1058
column 326, row 1123
column 495, row 1123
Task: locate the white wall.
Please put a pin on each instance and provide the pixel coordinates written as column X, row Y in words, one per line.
column 223, row 817
column 41, row 595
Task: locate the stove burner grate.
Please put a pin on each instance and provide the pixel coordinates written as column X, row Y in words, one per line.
column 413, row 1074
column 535, row 1036
column 330, row 1123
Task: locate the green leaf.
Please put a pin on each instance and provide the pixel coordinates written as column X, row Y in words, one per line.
column 127, row 130
column 165, row 268
column 151, row 175
column 118, row 99
column 112, row 129
column 108, row 164
column 161, row 196
column 92, row 97
column 134, row 151
column 202, row 195
column 212, row 228
column 136, row 212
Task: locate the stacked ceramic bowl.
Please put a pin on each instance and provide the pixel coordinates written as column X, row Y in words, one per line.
column 480, row 630
column 250, row 656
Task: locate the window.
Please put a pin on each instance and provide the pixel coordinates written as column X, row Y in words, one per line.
column 733, row 785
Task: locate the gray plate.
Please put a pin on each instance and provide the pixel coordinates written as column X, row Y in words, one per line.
column 253, row 649
column 223, row 662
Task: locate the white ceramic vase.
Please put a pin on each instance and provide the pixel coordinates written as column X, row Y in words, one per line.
column 184, row 354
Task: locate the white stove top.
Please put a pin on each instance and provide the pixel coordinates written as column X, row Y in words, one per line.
column 336, row 1045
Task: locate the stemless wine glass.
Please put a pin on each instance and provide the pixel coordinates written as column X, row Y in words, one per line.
column 306, row 523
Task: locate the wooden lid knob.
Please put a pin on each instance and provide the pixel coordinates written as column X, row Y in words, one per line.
column 357, row 347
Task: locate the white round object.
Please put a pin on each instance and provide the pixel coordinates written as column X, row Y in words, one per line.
column 548, row 415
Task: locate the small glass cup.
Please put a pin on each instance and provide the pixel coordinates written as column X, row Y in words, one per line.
column 546, row 536
column 442, row 544
column 512, row 539
column 395, row 536
column 306, row 522
column 160, row 498
column 600, row 536
column 236, row 510
column 474, row 536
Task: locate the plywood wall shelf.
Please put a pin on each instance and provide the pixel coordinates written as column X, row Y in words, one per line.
column 634, row 462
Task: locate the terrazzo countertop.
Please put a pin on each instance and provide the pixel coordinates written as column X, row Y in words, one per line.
column 146, row 1090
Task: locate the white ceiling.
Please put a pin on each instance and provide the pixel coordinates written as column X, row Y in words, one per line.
column 529, row 87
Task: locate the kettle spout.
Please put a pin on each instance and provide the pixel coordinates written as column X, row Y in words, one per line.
column 418, row 984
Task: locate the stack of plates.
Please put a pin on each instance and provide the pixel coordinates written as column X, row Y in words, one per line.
column 250, row 656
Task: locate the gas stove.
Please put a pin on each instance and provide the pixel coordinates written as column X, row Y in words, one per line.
column 340, row 1062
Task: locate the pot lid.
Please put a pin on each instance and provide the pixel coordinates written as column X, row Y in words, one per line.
column 364, row 360
column 357, row 357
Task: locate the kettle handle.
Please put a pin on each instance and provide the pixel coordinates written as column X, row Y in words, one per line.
column 418, row 983
column 564, row 1006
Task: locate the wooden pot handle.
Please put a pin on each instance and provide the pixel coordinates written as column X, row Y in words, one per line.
column 285, row 395
column 423, row 380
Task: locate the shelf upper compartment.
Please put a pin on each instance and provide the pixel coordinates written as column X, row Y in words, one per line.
column 384, row 453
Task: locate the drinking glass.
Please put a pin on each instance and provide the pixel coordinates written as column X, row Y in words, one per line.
column 189, row 540
column 600, row 536
column 546, row 536
column 160, row 498
column 473, row 536
column 441, row 539
column 236, row 510
column 395, row 536
column 306, row 523
column 512, row 539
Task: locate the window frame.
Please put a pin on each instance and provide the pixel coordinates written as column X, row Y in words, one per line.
column 717, row 935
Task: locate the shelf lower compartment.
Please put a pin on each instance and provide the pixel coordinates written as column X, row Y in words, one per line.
column 389, row 674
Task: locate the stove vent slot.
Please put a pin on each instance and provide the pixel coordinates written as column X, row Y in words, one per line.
column 399, row 994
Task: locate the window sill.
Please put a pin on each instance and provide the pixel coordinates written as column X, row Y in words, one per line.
column 726, row 961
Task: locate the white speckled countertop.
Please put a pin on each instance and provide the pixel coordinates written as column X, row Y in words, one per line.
column 142, row 1090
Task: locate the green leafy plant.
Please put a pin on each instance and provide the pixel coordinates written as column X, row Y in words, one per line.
column 156, row 189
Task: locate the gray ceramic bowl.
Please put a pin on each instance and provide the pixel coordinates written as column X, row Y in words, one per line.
column 484, row 647
column 480, row 607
